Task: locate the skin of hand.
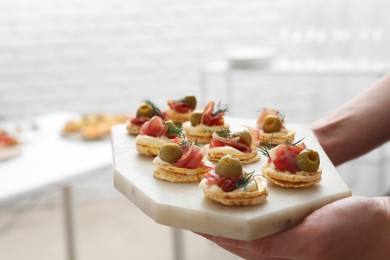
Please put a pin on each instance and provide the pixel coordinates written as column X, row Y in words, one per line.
column 351, row 228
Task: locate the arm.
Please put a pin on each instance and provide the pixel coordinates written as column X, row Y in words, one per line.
column 358, row 126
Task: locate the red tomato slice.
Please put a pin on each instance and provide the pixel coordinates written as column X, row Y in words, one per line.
column 216, row 144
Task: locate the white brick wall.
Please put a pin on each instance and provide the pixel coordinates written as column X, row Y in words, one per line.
column 80, row 54
column 89, row 56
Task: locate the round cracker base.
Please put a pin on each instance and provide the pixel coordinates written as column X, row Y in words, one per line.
column 133, row 129
column 217, row 156
column 170, row 176
column 198, row 139
column 147, row 150
column 267, row 172
column 236, row 201
column 178, row 117
column 241, row 199
column 270, row 139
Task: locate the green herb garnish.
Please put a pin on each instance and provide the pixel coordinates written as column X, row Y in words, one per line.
column 221, row 108
column 175, row 130
column 156, row 110
column 280, row 114
column 264, row 150
column 300, row 140
column 245, row 179
column 223, row 132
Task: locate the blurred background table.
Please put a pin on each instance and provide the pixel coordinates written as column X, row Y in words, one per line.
column 49, row 161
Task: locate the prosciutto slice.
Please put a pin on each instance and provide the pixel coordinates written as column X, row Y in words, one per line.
column 283, row 156
column 233, row 142
column 209, row 119
column 192, row 157
column 180, row 106
column 225, row 183
column 255, row 135
column 154, row 127
column 139, row 121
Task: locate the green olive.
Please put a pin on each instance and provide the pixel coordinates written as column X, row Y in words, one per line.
column 272, row 124
column 229, row 166
column 191, row 100
column 308, row 160
column 245, row 137
column 170, row 152
column 145, row 110
column 196, row 119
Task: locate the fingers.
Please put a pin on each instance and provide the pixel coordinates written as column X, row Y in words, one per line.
column 289, row 244
column 286, row 244
column 248, row 255
column 232, row 246
column 259, row 247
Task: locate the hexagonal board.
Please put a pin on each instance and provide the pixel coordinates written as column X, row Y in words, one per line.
column 184, row 205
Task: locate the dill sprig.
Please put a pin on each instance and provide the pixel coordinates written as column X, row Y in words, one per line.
column 223, row 132
column 297, row 142
column 185, row 142
column 175, row 130
column 220, row 108
column 245, row 179
column 156, row 110
column 264, row 150
column 280, row 114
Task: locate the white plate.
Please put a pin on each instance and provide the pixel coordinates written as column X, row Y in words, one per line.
column 184, row 206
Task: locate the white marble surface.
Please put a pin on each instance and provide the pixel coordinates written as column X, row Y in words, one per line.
column 184, row 206
column 48, row 159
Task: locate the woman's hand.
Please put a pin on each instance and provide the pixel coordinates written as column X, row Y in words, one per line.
column 351, row 228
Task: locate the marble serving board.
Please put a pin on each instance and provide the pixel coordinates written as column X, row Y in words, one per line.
column 184, row 206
